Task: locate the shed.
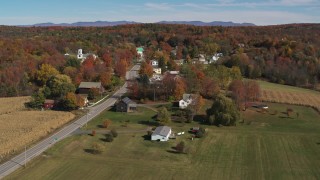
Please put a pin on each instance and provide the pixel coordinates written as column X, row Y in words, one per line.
column 126, row 105
column 48, row 104
column 161, row 133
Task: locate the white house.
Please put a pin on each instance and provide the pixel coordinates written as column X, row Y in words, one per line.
column 202, row 59
column 157, row 70
column 154, row 63
column 161, row 133
column 186, row 100
column 216, row 57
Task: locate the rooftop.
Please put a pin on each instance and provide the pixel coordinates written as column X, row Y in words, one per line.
column 162, row 131
column 90, row 85
column 129, row 101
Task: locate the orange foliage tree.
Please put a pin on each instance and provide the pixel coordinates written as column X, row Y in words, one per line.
column 180, row 88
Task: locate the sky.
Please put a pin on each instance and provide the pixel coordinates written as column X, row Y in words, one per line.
column 259, row 12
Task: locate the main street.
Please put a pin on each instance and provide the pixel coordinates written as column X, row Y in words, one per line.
column 21, row 159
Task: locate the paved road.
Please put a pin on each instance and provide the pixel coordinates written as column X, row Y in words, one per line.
column 19, row 160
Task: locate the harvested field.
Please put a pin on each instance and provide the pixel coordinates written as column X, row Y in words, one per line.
column 20, row 127
column 291, row 95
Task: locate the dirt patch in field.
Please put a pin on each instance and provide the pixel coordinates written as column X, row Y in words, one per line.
column 20, row 127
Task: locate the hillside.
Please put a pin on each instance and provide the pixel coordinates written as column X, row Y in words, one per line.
column 285, row 54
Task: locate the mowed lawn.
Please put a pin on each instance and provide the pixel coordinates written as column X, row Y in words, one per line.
column 264, row 146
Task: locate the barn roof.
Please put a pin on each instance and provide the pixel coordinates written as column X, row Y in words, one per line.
column 129, row 102
column 162, row 131
column 90, row 85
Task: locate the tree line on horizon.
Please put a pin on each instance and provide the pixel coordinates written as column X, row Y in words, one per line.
column 285, row 54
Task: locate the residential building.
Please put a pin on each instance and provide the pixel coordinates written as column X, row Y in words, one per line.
column 186, row 100
column 48, row 104
column 85, row 87
column 161, row 133
column 126, row 105
column 157, row 70
column 179, row 62
column 140, row 51
column 154, row 63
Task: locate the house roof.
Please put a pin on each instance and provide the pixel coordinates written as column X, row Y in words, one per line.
column 185, row 97
column 179, row 61
column 162, row 131
column 49, row 101
column 128, row 101
column 140, row 49
column 90, row 85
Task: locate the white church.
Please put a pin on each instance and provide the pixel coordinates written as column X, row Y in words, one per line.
column 82, row 56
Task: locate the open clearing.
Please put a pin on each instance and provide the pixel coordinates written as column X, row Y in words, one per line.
column 20, row 127
column 265, row 146
column 288, row 94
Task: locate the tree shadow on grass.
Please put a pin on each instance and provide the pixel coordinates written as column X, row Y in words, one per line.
column 173, row 150
column 318, row 143
column 285, row 117
column 201, row 119
column 149, row 123
column 90, row 151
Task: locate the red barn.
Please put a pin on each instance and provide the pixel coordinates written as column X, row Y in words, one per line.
column 48, row 104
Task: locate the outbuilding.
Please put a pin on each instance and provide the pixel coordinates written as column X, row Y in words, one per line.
column 161, row 133
column 126, row 105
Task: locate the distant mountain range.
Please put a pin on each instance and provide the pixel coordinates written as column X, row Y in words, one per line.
column 115, row 23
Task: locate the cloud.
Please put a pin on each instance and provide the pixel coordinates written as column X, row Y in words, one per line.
column 158, row 6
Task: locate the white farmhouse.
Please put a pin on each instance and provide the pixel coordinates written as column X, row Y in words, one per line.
column 161, row 133
column 186, row 100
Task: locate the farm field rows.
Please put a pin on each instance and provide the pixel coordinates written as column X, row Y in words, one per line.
column 265, row 146
column 288, row 94
column 20, row 127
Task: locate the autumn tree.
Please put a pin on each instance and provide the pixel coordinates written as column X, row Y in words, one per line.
column 105, row 78
column 107, row 123
column 121, row 68
column 45, row 72
column 209, row 88
column 69, row 102
column 107, row 59
column 252, row 90
column 146, row 68
column 80, row 101
column 179, row 89
column 238, row 92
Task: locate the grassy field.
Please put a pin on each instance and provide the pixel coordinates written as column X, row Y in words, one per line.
column 264, row 146
column 20, row 127
column 140, row 118
column 288, row 94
